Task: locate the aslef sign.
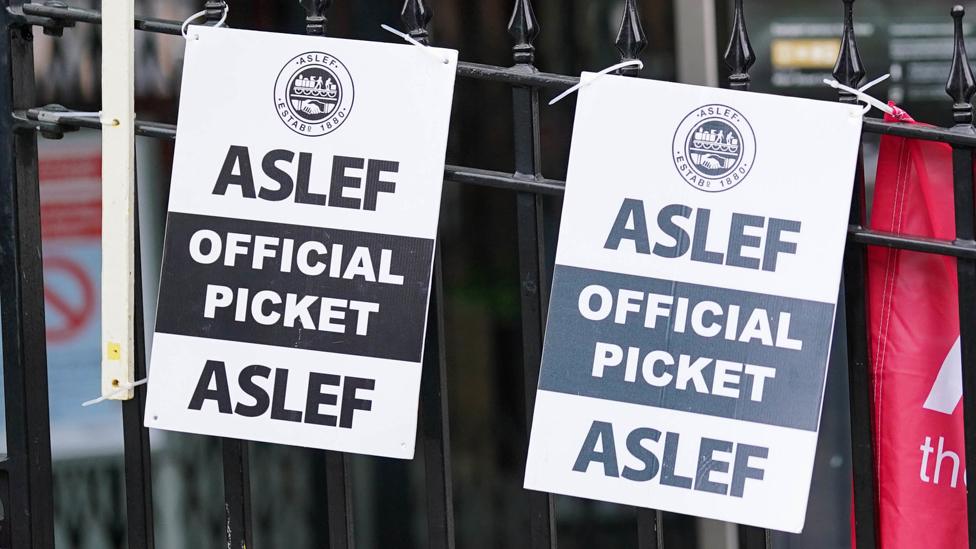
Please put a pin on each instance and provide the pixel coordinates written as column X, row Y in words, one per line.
column 693, row 300
column 299, row 241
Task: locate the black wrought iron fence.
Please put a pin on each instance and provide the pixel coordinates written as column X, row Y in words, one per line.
column 25, row 472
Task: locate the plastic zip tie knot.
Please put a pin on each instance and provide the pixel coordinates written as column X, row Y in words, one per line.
column 870, row 102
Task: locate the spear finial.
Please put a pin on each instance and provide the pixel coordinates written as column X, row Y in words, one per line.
column 214, row 10
column 739, row 56
column 416, row 16
column 848, row 70
column 630, row 38
column 961, row 84
column 524, row 28
column 315, row 20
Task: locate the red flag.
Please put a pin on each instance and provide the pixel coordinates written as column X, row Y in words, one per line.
column 915, row 368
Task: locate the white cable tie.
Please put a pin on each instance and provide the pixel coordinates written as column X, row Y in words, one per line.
column 54, row 117
column 197, row 15
column 862, row 96
column 605, row 71
column 426, row 49
column 874, row 82
column 123, row 388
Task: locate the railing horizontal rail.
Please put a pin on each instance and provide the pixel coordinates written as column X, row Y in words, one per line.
column 519, row 77
column 927, row 133
column 54, row 16
column 503, row 180
column 53, row 121
column 523, row 75
column 959, row 248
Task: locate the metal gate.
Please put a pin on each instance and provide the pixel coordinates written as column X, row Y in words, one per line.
column 26, row 472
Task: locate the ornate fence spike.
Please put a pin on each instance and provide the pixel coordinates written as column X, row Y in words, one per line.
column 215, row 10
column 739, row 56
column 630, row 38
column 416, row 16
column 315, row 20
column 849, row 70
column 524, row 28
column 961, row 84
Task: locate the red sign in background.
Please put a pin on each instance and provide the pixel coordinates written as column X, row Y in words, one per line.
column 69, row 296
column 71, row 196
column 70, row 224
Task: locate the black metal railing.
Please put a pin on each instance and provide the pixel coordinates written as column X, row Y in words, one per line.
column 25, row 473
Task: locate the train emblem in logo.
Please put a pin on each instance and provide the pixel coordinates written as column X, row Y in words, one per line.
column 314, row 94
column 714, row 148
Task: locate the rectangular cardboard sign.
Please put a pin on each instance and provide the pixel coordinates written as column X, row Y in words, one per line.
column 300, row 240
column 693, row 300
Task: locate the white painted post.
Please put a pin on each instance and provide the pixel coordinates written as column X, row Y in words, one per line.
column 118, row 199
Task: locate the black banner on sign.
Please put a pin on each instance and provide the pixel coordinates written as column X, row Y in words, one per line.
column 293, row 286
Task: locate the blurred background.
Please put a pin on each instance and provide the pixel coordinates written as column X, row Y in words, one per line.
column 796, row 43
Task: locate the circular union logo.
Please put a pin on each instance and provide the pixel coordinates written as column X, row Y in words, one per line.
column 714, row 148
column 314, row 94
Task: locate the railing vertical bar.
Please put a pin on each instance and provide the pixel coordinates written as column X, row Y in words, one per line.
column 751, row 537
column 962, row 173
column 237, row 494
column 630, row 41
column 961, row 86
column 650, row 534
column 855, row 303
column 434, row 420
column 850, row 71
column 435, row 430
column 339, row 501
column 529, row 208
column 338, row 482
column 739, row 57
column 138, row 466
column 524, row 28
column 234, row 452
column 31, row 507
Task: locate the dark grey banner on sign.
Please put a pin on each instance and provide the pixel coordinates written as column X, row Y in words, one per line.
column 701, row 349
